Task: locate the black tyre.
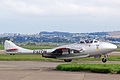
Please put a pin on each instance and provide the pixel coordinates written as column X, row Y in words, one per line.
column 104, row 60
column 67, row 60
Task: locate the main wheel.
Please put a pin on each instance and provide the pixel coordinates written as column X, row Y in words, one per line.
column 67, row 60
column 12, row 54
column 104, row 60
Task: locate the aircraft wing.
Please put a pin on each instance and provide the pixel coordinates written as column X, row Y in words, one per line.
column 72, row 56
column 65, row 53
column 71, row 48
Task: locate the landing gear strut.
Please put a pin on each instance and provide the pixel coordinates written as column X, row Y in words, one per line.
column 67, row 60
column 104, row 59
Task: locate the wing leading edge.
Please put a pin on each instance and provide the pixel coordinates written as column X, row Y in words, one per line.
column 72, row 56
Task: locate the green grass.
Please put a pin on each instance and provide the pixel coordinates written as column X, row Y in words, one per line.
column 97, row 68
column 1, row 47
column 37, row 57
column 109, row 58
column 23, row 57
column 118, row 49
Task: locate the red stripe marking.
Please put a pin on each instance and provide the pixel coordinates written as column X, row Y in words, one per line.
column 62, row 48
column 12, row 49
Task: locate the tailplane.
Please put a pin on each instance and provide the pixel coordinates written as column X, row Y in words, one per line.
column 10, row 47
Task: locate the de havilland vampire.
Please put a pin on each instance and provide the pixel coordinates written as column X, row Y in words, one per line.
column 86, row 48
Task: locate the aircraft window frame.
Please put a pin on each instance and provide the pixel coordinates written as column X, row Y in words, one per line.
column 82, row 42
column 91, row 41
column 88, row 41
column 95, row 41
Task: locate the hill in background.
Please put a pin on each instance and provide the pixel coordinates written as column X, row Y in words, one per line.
column 60, row 37
column 114, row 34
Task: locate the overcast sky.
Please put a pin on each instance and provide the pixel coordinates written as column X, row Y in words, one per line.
column 33, row 16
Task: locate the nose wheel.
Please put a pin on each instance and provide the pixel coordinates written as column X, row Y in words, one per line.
column 104, row 59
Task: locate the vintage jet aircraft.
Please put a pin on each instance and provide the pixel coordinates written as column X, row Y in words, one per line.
column 86, row 48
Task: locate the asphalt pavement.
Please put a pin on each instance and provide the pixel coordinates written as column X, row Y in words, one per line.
column 45, row 70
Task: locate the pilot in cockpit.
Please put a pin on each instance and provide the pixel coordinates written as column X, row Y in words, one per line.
column 89, row 41
column 82, row 42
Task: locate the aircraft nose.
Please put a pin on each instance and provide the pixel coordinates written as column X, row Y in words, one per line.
column 114, row 47
column 111, row 46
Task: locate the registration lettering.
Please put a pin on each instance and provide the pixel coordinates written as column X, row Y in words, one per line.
column 39, row 51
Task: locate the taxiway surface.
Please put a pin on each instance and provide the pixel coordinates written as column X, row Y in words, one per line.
column 45, row 70
column 42, row 70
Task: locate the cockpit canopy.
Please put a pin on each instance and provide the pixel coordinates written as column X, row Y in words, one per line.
column 89, row 41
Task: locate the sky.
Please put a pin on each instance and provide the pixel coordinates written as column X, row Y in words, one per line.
column 76, row 16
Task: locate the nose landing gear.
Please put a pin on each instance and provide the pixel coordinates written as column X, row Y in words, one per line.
column 104, row 59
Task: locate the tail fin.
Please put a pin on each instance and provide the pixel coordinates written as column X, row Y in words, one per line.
column 10, row 47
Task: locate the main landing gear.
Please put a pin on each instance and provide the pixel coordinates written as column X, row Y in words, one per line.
column 67, row 60
column 104, row 59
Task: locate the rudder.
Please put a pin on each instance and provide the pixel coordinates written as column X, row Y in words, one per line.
column 10, row 46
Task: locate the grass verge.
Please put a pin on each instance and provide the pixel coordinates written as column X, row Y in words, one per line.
column 97, row 68
column 37, row 57
column 23, row 57
column 118, row 49
column 109, row 58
